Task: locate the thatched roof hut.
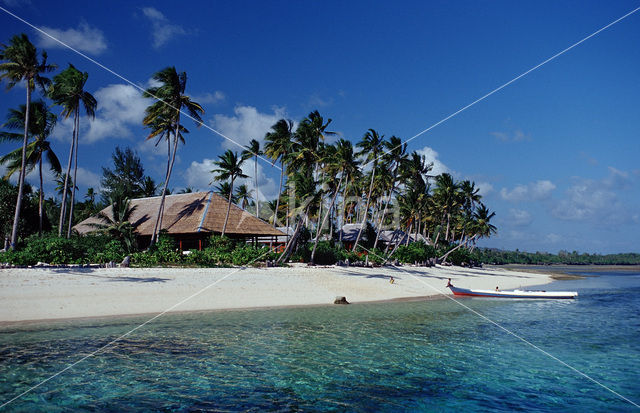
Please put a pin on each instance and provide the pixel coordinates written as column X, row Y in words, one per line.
column 190, row 218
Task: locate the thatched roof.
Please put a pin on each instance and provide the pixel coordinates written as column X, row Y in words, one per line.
column 197, row 212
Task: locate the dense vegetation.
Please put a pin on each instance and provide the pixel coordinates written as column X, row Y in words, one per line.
column 493, row 256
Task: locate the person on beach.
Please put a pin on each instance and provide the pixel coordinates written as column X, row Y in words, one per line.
column 497, row 289
column 391, row 280
column 449, row 283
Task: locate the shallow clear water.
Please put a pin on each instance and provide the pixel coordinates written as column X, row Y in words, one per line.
column 418, row 356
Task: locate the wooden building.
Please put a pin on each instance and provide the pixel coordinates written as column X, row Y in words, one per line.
column 191, row 219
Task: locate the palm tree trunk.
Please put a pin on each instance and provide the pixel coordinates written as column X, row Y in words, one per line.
column 226, row 218
column 40, row 200
column 75, row 172
column 275, row 217
column 158, row 225
column 366, row 208
column 333, row 200
column 384, row 213
column 289, row 248
column 63, row 205
column 16, row 216
column 257, row 191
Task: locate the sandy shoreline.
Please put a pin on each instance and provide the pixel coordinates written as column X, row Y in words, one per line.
column 50, row 294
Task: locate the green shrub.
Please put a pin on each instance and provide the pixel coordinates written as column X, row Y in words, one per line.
column 459, row 256
column 247, row 254
column 144, row 259
column 325, row 253
column 221, row 244
column 112, row 251
column 414, row 252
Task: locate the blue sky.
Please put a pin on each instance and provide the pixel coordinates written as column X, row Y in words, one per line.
column 555, row 153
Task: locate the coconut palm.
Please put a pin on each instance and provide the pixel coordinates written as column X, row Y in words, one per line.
column 118, row 223
column 340, row 162
column 149, row 187
column 41, row 124
column 278, row 146
column 395, row 158
column 243, row 195
column 163, row 117
column 68, row 91
column 447, row 196
column 306, row 190
column 372, row 145
column 224, row 189
column 229, row 168
column 20, row 63
column 253, row 151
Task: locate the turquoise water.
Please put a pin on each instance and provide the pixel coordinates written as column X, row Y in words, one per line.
column 418, row 356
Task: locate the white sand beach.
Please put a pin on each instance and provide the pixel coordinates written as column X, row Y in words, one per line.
column 43, row 294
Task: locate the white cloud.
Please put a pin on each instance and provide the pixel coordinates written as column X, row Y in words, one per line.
column 213, row 98
column 87, row 178
column 484, row 188
column 534, row 191
column 199, row 175
column 553, row 238
column 513, row 136
column 519, row 217
column 85, row 38
column 432, row 156
column 120, row 107
column 597, row 200
column 246, row 124
column 163, row 30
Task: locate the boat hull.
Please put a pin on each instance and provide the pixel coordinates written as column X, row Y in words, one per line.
column 562, row 295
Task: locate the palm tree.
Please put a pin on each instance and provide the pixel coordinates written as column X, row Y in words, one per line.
column 90, row 195
column 149, row 187
column 447, row 196
column 243, row 195
column 372, row 145
column 41, row 124
column 163, row 117
column 340, row 162
column 229, row 168
column 306, row 190
column 68, row 91
column 253, row 150
column 21, row 63
column 118, row 224
column 395, row 157
column 224, row 189
column 278, row 146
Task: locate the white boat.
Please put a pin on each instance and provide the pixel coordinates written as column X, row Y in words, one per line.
column 513, row 293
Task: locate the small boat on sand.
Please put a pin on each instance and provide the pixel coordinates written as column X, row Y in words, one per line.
column 513, row 293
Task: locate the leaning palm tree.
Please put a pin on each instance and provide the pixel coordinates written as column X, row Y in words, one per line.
column 278, row 146
column 68, row 91
column 372, row 145
column 41, row 124
column 224, row 189
column 253, row 151
column 229, row 168
column 21, row 63
column 163, row 116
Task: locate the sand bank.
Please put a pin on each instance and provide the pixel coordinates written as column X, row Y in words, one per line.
column 41, row 294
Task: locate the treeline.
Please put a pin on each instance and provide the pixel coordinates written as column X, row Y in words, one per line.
column 500, row 257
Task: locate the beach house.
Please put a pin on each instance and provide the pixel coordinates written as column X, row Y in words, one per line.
column 191, row 219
